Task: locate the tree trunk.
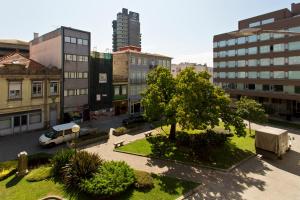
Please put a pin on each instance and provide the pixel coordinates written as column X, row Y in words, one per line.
column 250, row 132
column 172, row 132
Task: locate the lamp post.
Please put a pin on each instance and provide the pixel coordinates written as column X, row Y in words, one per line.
column 254, row 31
column 75, row 130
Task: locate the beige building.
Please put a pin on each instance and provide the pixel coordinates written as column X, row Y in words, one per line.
column 29, row 97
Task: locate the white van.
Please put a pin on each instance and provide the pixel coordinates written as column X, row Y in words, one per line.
column 58, row 134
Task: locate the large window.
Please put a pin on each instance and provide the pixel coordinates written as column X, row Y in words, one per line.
column 265, row 36
column 252, row 50
column 265, row 62
column 278, row 35
column 264, row 49
column 35, row 118
column 252, row 38
column 278, row 74
column 294, row 75
column 278, row 47
column 67, row 39
column 267, row 21
column 294, row 46
column 297, row 91
column 254, row 24
column 14, row 90
column 241, row 40
column 294, row 60
column 279, row 61
column 266, row 87
column 222, row 43
column 117, row 90
column 231, row 75
column 231, row 42
column 222, row 64
column 295, row 29
column 278, row 88
column 222, row 54
column 222, row 75
column 37, row 89
column 215, row 44
column 241, row 63
column 5, row 123
column 231, row 53
column 85, row 42
column 252, row 63
column 241, row 52
column 53, row 87
column 231, row 63
column 73, row 40
column 241, row 74
column 252, row 74
column 264, row 75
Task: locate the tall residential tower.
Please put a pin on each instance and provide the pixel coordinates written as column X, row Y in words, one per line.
column 126, row 30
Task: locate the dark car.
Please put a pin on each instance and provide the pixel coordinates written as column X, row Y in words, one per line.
column 133, row 119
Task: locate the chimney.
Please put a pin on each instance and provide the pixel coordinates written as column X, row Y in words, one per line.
column 35, row 35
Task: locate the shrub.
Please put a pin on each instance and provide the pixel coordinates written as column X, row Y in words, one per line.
column 39, row 174
column 120, row 131
column 7, row 169
column 110, row 179
column 36, row 160
column 59, row 160
column 82, row 165
column 143, row 180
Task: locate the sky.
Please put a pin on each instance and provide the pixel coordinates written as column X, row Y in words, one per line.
column 182, row 29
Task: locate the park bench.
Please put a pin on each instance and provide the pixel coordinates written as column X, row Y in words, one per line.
column 148, row 133
column 119, row 143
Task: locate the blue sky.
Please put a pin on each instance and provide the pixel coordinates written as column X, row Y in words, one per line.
column 182, row 29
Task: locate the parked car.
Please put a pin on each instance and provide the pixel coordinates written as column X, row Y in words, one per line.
column 61, row 133
column 133, row 119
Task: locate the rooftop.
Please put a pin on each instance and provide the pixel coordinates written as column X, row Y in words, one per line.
column 14, row 41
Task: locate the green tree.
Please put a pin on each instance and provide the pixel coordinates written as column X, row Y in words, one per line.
column 251, row 111
column 200, row 104
column 158, row 99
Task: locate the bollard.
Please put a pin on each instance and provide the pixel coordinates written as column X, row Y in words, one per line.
column 22, row 164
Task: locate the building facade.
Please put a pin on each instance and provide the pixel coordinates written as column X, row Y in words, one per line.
column 10, row 46
column 126, row 30
column 30, row 95
column 69, row 50
column 265, row 67
column 130, row 69
column 101, row 89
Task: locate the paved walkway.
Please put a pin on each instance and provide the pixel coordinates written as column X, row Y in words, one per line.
column 255, row 179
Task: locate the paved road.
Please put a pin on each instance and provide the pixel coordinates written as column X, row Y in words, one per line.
column 11, row 145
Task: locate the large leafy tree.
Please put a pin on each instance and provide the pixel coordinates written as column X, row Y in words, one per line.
column 251, row 110
column 158, row 99
column 200, row 104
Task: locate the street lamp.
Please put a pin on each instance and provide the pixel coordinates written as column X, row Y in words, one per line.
column 75, row 130
column 254, row 31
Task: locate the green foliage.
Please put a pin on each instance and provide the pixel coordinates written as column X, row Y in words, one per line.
column 38, row 159
column 39, row 174
column 111, row 178
column 60, row 160
column 81, row 166
column 143, row 180
column 7, row 168
column 120, row 131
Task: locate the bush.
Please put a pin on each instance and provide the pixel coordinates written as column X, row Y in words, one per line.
column 143, row 180
column 110, row 179
column 36, row 160
column 7, row 169
column 120, row 131
column 39, row 174
column 59, row 160
column 82, row 165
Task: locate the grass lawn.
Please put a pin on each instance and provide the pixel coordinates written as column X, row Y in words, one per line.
column 19, row 189
column 235, row 150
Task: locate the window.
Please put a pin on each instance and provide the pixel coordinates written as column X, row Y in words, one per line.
column 73, row 40
column 297, row 91
column 74, row 58
column 266, row 87
column 79, row 41
column 252, row 63
column 85, row 58
column 278, row 35
column 231, row 42
column 65, row 93
column 35, row 118
column 67, row 39
column 85, row 42
column 278, row 74
column 252, row 50
column 5, row 123
column 241, row 63
column 241, row 74
column 215, row 44
column 294, row 60
column 279, row 61
column 250, row 86
column 83, row 92
column 15, row 90
column 71, row 92
column 241, row 40
column 80, row 58
column 252, row 74
column 231, row 74
column 53, row 87
column 77, row 91
column 294, row 74
column 294, row 46
column 265, row 62
column 264, row 75
column 264, row 49
column 124, row 90
column 102, row 78
column 222, row 43
column 72, row 75
column 215, row 54
column 222, row 54
column 254, row 24
column 241, row 52
column 265, row 36
column 278, row 47
column 79, row 75
column 222, row 75
column 117, row 90
column 252, row 38
column 295, row 29
column 132, row 60
column 68, row 57
column 223, row 64
column 278, row 88
column 231, row 53
column 66, row 75
column 267, row 21
column 231, row 63
column 216, row 65
column 85, row 75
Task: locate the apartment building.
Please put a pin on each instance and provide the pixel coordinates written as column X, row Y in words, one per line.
column 263, row 66
column 101, row 90
column 30, row 95
column 69, row 50
column 126, row 30
column 177, row 68
column 8, row 46
column 130, row 68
